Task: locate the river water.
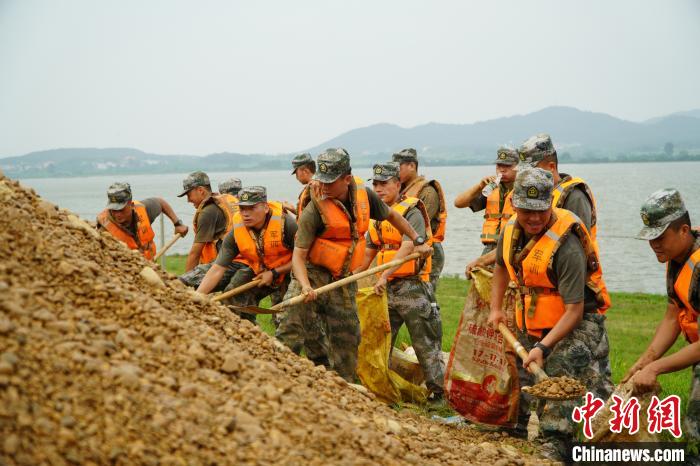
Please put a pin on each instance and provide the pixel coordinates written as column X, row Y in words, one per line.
column 628, row 263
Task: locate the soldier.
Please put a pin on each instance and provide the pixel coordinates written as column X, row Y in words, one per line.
column 548, row 253
column 330, row 243
column 213, row 219
column 130, row 221
column 407, row 286
column 667, row 228
column 430, row 192
column 304, row 169
column 497, row 204
column 231, row 186
column 263, row 239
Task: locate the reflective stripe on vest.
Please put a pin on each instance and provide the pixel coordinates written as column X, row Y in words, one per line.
column 688, row 316
column 144, row 232
column 494, row 219
column 388, row 239
column 225, row 202
column 414, row 189
column 274, row 253
column 341, row 247
column 542, row 306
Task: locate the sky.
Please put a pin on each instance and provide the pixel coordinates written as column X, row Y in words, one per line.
column 199, row 77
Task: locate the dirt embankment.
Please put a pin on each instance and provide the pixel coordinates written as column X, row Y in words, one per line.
column 98, row 366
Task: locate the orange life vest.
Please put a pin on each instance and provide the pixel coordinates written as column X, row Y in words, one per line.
column 304, row 197
column 225, row 202
column 144, row 233
column 388, row 239
column 562, row 190
column 414, row 188
column 542, row 306
column 495, row 219
column 273, row 253
column 341, row 247
column 688, row 315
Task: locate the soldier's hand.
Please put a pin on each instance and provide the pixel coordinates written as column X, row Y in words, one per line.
column 265, row 278
column 535, row 356
column 472, row 265
column 380, row 286
column 495, row 318
column 309, row 293
column 637, row 366
column 289, row 207
column 315, row 187
column 486, row 181
column 182, row 230
column 645, row 380
column 425, row 250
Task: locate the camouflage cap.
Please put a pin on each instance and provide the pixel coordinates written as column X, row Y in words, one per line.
column 533, row 189
column 251, row 195
column 194, row 180
column 301, row 160
column 332, row 164
column 659, row 211
column 385, row 171
column 536, row 148
column 230, row 186
column 506, row 155
column 406, row 155
column 118, row 196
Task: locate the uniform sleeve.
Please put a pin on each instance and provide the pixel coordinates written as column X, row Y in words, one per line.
column 153, row 208
column 577, row 202
column 378, row 210
column 212, row 223
column 478, row 203
column 228, row 252
column 290, row 231
column 569, row 267
column 415, row 219
column 431, row 199
column 499, row 251
column 308, row 226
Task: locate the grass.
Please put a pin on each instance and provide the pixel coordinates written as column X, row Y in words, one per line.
column 631, row 323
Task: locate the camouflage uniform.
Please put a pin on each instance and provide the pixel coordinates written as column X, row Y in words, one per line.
column 231, row 186
column 194, row 277
column 661, row 209
column 253, row 297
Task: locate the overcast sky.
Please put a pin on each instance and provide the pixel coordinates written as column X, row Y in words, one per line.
column 199, row 77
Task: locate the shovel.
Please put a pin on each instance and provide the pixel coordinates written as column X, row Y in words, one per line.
column 331, row 286
column 236, row 291
column 172, row 241
column 540, row 374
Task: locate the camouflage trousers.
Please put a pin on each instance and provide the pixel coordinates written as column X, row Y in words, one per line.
column 410, row 302
column 438, row 260
column 194, row 277
column 691, row 424
column 328, row 327
column 583, row 355
column 254, row 296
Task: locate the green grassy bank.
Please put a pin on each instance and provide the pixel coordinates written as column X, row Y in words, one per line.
column 631, row 323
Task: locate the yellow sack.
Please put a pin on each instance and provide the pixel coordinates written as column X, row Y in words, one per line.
column 373, row 353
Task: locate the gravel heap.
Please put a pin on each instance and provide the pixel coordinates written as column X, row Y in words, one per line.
column 103, row 363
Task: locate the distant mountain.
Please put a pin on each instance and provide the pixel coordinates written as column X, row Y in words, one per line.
column 580, row 136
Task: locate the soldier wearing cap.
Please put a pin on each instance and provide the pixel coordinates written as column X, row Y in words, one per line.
column 130, row 221
column 667, row 228
column 408, row 287
column 330, row 244
column 549, row 255
column 303, row 168
column 262, row 238
column 231, row 186
column 430, row 192
column 497, row 204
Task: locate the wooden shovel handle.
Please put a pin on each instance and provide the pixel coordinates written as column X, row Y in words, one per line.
column 344, row 281
column 534, row 368
column 172, row 241
column 238, row 290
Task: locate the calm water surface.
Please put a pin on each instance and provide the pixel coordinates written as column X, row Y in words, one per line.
column 629, row 264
